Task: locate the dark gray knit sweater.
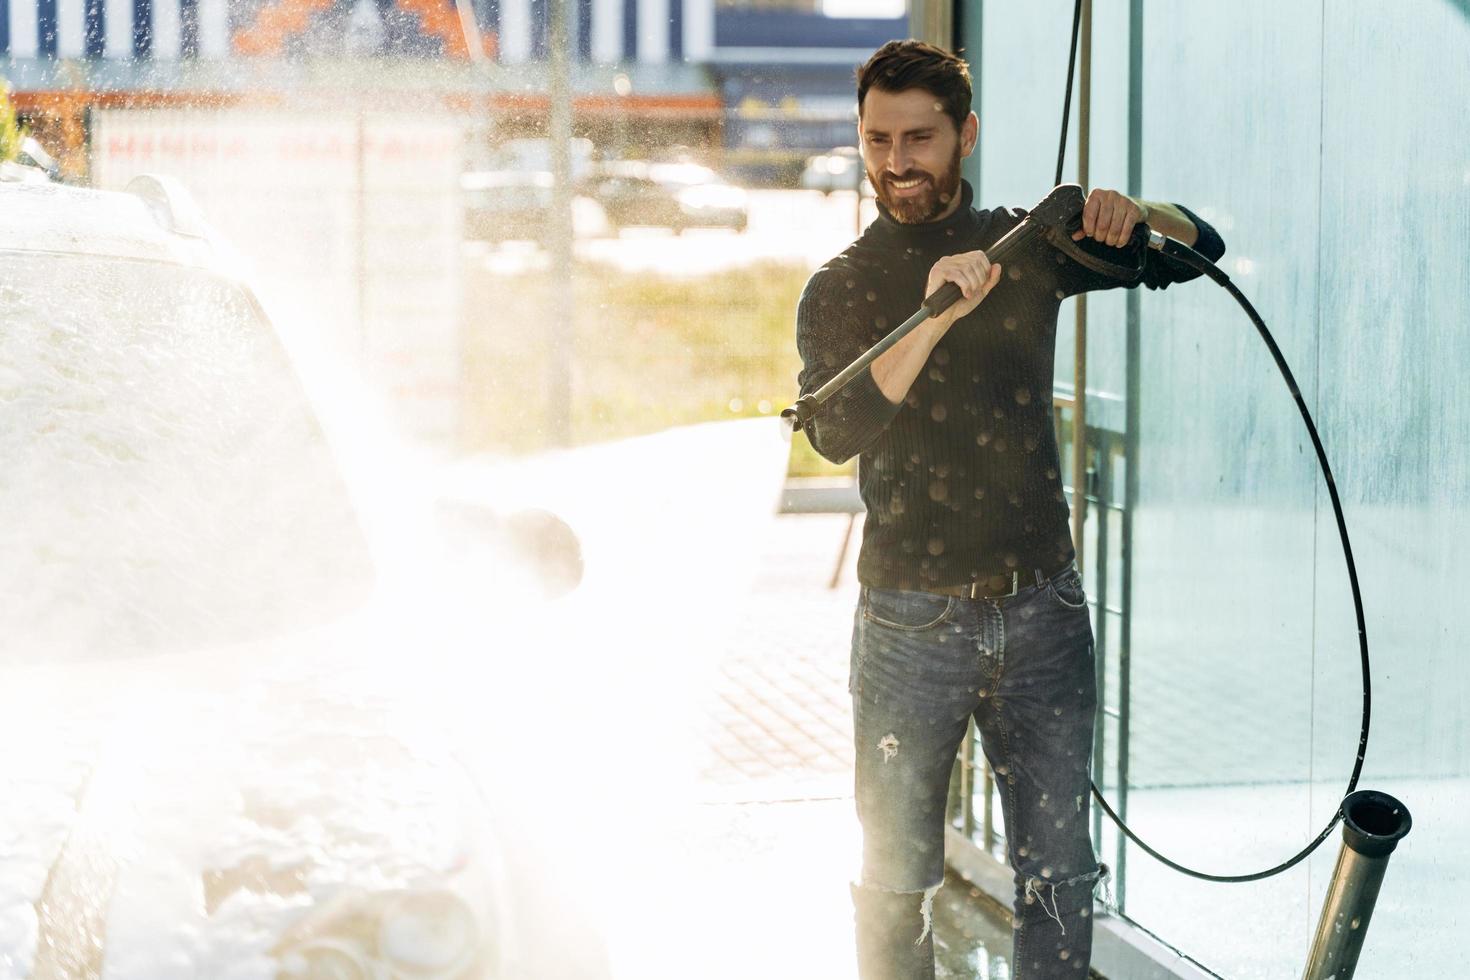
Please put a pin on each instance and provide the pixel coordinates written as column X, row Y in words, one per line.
column 962, row 481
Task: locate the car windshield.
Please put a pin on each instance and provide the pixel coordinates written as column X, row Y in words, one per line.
column 166, row 485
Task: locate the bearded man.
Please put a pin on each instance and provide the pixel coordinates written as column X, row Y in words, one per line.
column 970, row 602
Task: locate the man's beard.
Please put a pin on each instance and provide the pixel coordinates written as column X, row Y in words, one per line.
column 926, row 205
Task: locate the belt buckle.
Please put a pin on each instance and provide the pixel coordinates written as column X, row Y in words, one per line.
column 974, row 592
column 1015, row 584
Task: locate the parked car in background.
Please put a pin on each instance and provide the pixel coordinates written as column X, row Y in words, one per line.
column 839, row 169
column 223, row 680
column 507, row 205
column 667, row 195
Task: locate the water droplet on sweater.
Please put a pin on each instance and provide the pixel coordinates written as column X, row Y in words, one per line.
column 938, row 413
column 1023, row 396
column 1010, row 323
column 936, row 546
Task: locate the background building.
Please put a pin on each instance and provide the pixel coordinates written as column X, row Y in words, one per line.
column 768, row 82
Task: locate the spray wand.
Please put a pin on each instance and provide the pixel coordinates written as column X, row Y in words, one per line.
column 1055, row 219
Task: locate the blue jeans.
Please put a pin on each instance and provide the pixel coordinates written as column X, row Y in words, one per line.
column 1022, row 666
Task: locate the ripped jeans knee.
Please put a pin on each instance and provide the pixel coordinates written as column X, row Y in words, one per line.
column 890, row 898
column 1071, row 896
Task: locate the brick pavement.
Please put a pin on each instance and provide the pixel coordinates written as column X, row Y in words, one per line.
column 779, row 714
column 776, row 839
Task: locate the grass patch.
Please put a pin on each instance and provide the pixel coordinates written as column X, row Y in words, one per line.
column 648, row 352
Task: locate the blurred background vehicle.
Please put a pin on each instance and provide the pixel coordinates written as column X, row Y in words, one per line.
column 667, row 195
column 228, row 661
column 840, row 169
column 506, row 205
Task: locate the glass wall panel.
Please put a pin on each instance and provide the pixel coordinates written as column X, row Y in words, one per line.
column 1396, row 413
column 1323, row 143
column 1223, row 544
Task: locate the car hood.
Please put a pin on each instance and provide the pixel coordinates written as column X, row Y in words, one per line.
column 177, row 817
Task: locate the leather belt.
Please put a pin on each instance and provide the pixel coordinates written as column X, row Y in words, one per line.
column 995, row 587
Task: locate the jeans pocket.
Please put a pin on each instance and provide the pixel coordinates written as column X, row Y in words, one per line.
column 1066, row 587
column 910, row 611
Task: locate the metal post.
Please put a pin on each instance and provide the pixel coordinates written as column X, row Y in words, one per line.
column 1079, row 356
column 1098, row 586
column 1372, row 825
column 987, row 817
column 561, row 335
column 1134, row 386
column 967, row 781
column 364, row 341
column 932, row 21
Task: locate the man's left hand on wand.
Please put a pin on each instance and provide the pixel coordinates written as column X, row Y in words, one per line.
column 1109, row 217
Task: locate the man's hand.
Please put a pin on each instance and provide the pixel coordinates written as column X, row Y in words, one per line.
column 972, row 272
column 1109, row 217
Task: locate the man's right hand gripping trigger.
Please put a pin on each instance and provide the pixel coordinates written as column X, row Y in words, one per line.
column 894, row 372
column 972, row 272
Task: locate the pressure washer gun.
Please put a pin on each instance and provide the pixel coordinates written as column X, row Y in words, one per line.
column 1055, row 219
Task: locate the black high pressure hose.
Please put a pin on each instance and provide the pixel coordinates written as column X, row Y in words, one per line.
column 1179, row 252
column 1055, row 219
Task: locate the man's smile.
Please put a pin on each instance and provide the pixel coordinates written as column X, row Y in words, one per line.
column 907, row 188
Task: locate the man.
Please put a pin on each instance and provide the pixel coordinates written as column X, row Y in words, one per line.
column 970, row 602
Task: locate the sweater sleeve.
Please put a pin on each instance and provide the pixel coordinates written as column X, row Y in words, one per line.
column 829, row 337
column 1159, row 272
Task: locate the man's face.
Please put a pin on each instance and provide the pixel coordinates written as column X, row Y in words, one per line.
column 912, row 152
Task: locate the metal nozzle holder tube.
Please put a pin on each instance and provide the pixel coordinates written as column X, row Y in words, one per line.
column 1372, row 825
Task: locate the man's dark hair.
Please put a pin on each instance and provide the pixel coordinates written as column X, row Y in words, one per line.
column 902, row 65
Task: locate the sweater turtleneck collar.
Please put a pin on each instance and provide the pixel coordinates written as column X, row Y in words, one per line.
column 929, row 232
